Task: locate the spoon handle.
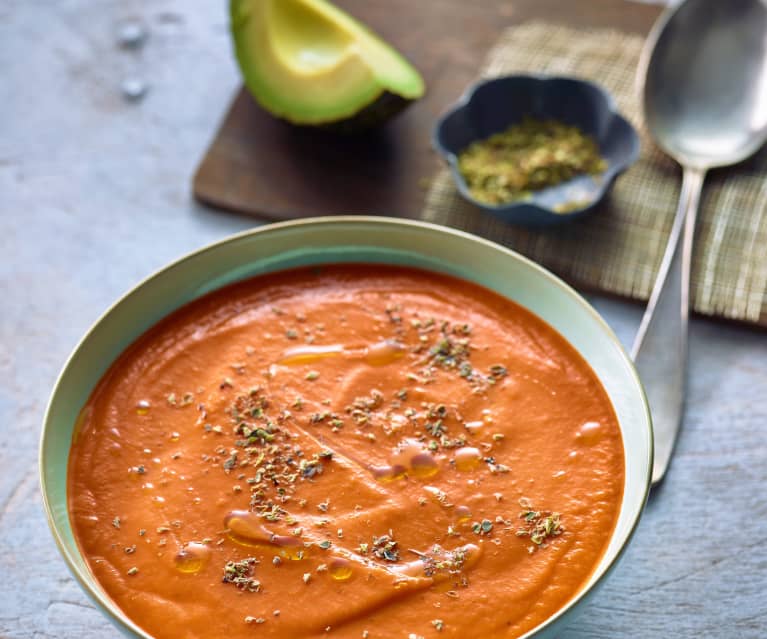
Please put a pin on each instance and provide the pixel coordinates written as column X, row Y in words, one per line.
column 660, row 347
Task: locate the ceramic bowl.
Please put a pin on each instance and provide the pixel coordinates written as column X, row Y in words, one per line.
column 494, row 105
column 333, row 240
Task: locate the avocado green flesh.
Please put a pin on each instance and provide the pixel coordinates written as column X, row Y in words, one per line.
column 310, row 63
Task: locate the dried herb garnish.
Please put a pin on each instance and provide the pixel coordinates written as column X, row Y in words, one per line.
column 248, row 415
column 384, row 547
column 439, row 560
column 484, row 527
column 450, row 351
column 393, row 314
column 231, row 461
column 361, row 409
column 435, row 423
column 494, row 467
column 527, row 157
column 240, row 573
column 185, row 400
column 267, row 447
column 310, row 467
column 498, row 371
column 538, row 525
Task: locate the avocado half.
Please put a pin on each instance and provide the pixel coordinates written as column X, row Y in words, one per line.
column 310, row 63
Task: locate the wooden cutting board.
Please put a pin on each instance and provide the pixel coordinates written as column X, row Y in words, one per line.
column 259, row 165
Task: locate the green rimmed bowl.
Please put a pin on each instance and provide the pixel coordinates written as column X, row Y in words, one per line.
column 333, row 240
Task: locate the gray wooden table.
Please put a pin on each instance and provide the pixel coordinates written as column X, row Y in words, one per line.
column 94, row 195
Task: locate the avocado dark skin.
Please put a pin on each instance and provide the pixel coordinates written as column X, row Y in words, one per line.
column 375, row 114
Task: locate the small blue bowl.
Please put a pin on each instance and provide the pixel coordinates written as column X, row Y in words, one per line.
column 494, row 105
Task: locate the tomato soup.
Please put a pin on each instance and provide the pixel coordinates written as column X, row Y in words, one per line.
column 346, row 451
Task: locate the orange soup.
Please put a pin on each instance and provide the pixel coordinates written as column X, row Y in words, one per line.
column 346, row 451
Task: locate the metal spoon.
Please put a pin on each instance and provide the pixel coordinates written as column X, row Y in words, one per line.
column 703, row 81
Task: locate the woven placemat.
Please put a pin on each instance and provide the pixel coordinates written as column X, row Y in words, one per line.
column 619, row 248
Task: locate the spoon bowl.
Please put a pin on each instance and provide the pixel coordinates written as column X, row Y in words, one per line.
column 705, row 87
column 703, row 82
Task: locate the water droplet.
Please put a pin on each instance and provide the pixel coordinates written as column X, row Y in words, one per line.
column 142, row 407
column 148, row 486
column 467, row 458
column 423, row 465
column 309, row 354
column 473, row 427
column 589, row 433
column 131, row 34
column 174, row 436
column 245, row 528
column 416, row 460
column 192, row 558
column 133, row 89
column 388, row 473
column 487, row 416
column 463, row 513
column 443, row 579
column 384, row 353
column 158, row 501
column 290, row 547
column 340, row 569
column 416, row 568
